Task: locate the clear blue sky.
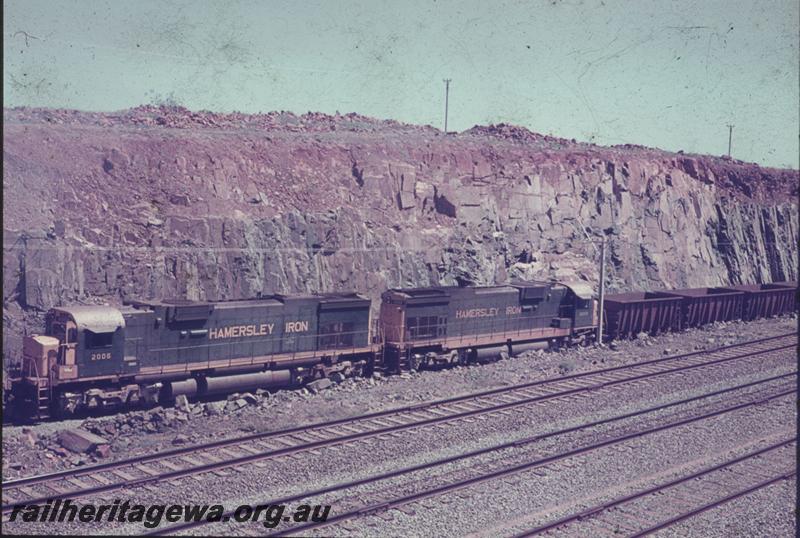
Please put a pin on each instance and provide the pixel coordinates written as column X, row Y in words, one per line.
column 670, row 74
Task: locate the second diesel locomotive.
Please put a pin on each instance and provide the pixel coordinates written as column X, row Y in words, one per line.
column 98, row 356
column 427, row 326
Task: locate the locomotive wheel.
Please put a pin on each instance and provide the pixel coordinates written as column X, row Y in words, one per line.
column 59, row 412
column 369, row 368
column 413, row 363
column 454, row 357
column 463, row 359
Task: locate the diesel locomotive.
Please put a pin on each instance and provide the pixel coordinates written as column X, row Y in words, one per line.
column 153, row 351
column 101, row 356
column 428, row 326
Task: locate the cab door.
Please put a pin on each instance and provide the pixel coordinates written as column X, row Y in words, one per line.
column 67, row 357
column 68, row 354
column 63, row 365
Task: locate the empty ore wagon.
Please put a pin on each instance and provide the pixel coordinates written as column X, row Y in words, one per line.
column 701, row 306
column 767, row 300
column 651, row 312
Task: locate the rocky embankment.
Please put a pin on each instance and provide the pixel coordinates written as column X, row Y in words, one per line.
column 156, row 202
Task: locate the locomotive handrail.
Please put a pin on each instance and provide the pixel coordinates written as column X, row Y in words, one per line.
column 531, row 332
column 462, row 336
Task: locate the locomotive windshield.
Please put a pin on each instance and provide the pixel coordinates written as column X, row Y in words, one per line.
column 58, row 327
column 57, row 330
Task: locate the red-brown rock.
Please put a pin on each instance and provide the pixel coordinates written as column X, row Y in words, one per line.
column 166, row 202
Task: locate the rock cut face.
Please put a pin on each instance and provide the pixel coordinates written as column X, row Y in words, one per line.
column 165, row 202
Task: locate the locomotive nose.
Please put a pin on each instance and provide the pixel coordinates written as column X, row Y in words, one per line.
column 39, row 353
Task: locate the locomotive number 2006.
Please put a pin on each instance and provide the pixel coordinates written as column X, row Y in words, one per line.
column 100, row 356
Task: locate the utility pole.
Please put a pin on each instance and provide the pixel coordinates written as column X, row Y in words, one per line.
column 446, row 97
column 602, row 278
column 602, row 289
column 730, row 137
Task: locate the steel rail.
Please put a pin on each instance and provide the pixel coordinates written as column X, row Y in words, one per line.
column 382, row 507
column 515, row 444
column 714, row 504
column 660, row 487
column 133, row 462
column 32, row 480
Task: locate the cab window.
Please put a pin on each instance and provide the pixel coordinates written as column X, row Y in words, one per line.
column 98, row 340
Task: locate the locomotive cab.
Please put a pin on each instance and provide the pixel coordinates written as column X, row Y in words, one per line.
column 81, row 342
column 584, row 310
column 92, row 341
column 581, row 297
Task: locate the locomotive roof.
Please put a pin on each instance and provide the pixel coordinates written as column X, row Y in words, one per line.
column 444, row 290
column 580, row 288
column 95, row 318
column 325, row 297
column 440, row 291
column 264, row 301
column 531, row 283
column 495, row 289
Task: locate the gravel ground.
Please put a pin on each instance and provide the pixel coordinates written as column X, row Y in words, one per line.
column 768, row 512
column 290, row 475
column 559, row 491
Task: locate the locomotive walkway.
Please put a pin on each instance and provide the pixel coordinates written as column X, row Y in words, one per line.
column 251, row 449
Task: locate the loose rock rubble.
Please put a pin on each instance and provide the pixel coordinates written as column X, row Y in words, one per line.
column 81, row 441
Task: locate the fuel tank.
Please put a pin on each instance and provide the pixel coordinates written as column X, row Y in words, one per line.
column 519, row 349
column 208, row 386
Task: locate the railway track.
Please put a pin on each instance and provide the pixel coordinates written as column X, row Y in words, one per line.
column 353, row 506
column 214, row 457
column 682, row 498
